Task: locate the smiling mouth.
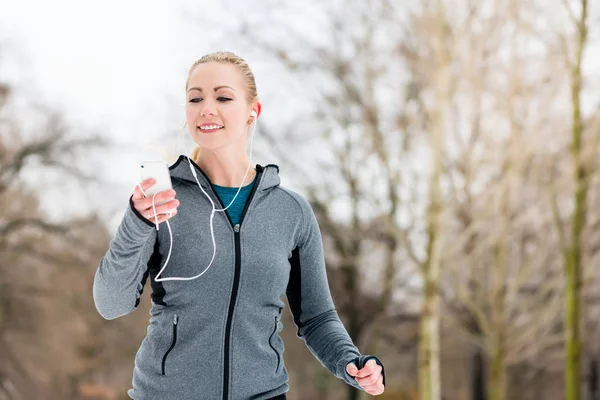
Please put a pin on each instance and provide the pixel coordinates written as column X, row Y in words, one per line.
column 210, row 128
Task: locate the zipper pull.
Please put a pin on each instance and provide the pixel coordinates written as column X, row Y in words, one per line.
column 175, row 319
column 236, row 228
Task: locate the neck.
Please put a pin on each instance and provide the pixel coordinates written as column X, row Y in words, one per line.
column 226, row 169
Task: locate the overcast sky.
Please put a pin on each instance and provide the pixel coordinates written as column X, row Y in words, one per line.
column 114, row 60
column 118, row 67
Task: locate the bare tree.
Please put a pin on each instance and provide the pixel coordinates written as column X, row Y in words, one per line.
column 45, row 300
column 500, row 278
column 581, row 172
column 429, row 58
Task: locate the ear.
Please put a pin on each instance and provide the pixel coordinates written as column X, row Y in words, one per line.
column 256, row 107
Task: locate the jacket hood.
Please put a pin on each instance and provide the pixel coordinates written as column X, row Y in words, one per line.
column 181, row 170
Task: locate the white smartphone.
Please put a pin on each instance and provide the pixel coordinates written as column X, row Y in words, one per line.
column 159, row 171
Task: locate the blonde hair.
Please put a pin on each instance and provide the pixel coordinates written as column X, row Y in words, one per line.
column 226, row 57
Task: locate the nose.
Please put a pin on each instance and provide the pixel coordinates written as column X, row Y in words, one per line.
column 207, row 109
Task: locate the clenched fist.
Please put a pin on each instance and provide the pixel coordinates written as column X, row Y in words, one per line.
column 369, row 377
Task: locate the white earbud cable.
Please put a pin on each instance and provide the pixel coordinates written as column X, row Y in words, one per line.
column 212, row 214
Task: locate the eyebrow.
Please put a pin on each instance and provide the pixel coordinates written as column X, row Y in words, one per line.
column 216, row 88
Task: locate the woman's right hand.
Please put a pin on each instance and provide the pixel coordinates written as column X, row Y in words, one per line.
column 143, row 204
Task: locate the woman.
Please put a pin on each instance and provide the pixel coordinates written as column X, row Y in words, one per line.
column 217, row 337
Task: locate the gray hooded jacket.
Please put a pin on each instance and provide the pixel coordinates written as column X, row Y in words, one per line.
column 217, row 336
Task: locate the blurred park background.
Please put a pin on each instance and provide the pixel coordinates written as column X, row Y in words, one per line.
column 450, row 149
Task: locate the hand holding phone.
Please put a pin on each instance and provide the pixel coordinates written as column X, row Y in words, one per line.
column 155, row 178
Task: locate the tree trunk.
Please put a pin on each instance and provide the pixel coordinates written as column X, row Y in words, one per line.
column 572, row 327
column 593, row 389
column 573, row 253
column 426, row 337
column 497, row 377
column 429, row 334
column 497, row 372
column 479, row 391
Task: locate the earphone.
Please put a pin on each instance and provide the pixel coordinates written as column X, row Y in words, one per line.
column 253, row 114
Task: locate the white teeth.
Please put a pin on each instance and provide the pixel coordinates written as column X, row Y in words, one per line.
column 210, row 127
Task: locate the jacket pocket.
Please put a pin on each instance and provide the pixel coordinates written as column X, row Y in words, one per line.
column 277, row 317
column 173, row 341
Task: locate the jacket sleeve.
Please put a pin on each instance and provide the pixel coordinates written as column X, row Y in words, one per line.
column 312, row 306
column 120, row 277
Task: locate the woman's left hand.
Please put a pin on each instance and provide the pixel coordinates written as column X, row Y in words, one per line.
column 369, row 377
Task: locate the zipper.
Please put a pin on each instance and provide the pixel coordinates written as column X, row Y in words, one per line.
column 236, row 284
column 236, row 276
column 270, row 344
column 164, row 360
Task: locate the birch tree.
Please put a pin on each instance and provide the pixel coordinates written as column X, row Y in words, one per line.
column 571, row 233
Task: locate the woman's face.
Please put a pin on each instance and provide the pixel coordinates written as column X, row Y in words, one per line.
column 217, row 111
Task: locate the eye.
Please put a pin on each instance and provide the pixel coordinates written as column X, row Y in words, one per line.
column 223, row 99
column 195, row 100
